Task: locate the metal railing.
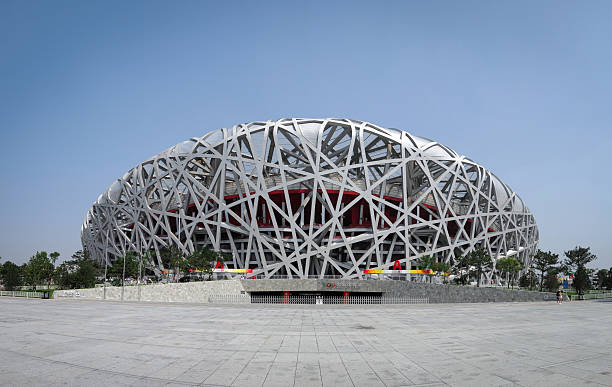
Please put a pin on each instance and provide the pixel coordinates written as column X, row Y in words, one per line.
column 19, row 293
column 230, row 299
column 279, row 299
column 305, row 299
column 591, row 296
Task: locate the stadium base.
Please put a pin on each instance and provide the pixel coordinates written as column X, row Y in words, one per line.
column 293, row 290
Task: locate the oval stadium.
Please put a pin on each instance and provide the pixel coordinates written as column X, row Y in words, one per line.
column 311, row 198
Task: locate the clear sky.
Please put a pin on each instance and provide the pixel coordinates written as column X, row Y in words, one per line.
column 90, row 89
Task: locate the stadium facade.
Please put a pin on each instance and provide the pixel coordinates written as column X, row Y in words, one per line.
column 311, row 198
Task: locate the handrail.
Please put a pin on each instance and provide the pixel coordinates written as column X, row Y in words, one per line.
column 20, row 293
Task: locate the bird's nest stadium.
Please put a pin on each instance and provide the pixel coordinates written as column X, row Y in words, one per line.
column 311, row 198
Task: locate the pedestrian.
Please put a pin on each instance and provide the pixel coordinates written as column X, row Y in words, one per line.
column 559, row 297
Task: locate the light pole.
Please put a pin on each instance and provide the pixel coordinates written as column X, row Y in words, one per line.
column 105, row 261
column 123, row 277
column 140, row 274
column 176, row 273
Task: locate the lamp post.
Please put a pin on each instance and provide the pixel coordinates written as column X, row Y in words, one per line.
column 105, row 261
column 123, row 277
column 179, row 241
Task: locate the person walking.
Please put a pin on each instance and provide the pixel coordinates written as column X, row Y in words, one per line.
column 559, row 297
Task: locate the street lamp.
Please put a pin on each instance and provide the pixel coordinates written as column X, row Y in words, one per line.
column 105, row 261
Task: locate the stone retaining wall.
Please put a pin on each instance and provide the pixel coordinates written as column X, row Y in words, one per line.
column 199, row 292
column 457, row 294
column 196, row 292
column 436, row 293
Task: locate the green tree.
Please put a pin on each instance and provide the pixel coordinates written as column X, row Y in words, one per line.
column 577, row 257
column 551, row 283
column 442, row 268
column 53, row 258
column 602, row 277
column 39, row 269
column 63, row 275
column 479, row 260
column 145, row 264
column 203, row 260
column 461, row 269
column 172, row 257
column 581, row 280
column 79, row 272
column 11, row 275
column 426, row 262
column 510, row 266
column 132, row 264
column 545, row 262
column 529, row 280
column 576, row 260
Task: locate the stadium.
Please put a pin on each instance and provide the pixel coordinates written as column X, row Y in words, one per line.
column 311, row 198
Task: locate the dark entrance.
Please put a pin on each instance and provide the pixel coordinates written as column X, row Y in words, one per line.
column 306, row 297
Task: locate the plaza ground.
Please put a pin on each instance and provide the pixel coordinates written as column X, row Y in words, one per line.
column 96, row 343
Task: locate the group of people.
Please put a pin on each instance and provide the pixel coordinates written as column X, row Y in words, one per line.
column 559, row 297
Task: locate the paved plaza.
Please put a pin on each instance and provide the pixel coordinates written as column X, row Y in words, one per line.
column 95, row 343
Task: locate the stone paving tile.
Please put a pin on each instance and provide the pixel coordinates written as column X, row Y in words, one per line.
column 360, row 371
column 308, row 343
column 256, row 371
column 282, row 372
column 271, row 343
column 325, row 343
column 386, row 371
column 308, row 372
column 228, row 370
column 290, row 343
column 343, row 344
column 203, row 368
column 333, row 372
column 89, row 343
column 601, row 377
column 411, row 370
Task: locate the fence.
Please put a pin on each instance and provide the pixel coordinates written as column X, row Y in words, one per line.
column 313, row 299
column 282, row 276
column 230, row 299
column 377, row 300
column 19, row 293
column 591, row 296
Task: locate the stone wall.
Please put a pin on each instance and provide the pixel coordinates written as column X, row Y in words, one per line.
column 436, row 293
column 199, row 292
column 456, row 294
column 196, row 292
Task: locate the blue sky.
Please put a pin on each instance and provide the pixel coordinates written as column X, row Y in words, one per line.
column 90, row 89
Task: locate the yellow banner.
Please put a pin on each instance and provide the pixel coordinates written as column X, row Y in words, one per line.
column 380, row 271
column 232, row 270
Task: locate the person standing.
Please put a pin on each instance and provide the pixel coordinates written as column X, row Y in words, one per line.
column 559, row 297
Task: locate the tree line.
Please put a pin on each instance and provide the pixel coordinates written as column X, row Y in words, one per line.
column 41, row 270
column 547, row 267
column 541, row 275
column 81, row 271
column 471, row 266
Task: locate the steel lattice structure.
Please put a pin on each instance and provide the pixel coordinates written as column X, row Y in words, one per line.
column 311, row 198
